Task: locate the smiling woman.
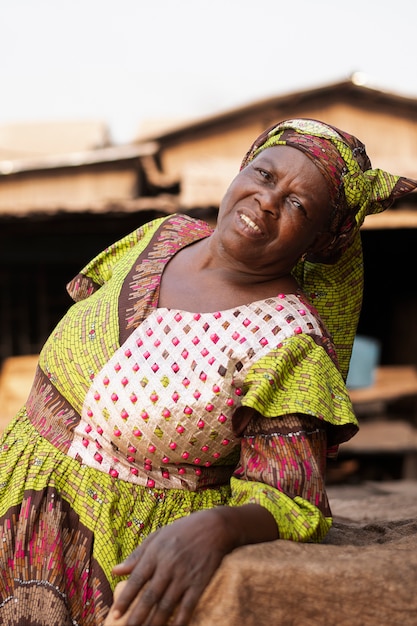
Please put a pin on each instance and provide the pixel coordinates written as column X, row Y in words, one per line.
column 280, row 203
column 274, row 210
column 186, row 403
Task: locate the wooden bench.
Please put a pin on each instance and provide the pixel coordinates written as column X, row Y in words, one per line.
column 392, row 382
column 381, row 433
column 384, row 438
column 16, row 378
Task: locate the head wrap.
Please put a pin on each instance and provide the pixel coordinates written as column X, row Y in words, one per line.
column 334, row 279
column 356, row 190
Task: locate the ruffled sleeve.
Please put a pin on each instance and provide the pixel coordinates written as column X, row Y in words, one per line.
column 300, row 377
column 300, row 410
column 99, row 270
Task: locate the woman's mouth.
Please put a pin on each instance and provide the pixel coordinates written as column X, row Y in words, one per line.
column 248, row 222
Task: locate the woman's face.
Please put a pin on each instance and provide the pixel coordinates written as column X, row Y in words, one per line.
column 275, row 210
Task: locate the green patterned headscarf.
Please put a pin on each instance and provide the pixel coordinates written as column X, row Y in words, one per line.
column 356, row 190
column 334, row 280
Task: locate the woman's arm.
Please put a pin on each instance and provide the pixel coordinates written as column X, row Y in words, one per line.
column 280, row 473
column 173, row 566
column 282, row 467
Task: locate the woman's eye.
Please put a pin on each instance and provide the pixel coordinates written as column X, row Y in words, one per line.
column 297, row 204
column 264, row 174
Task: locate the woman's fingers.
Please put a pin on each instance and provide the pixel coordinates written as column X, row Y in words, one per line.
column 187, row 605
column 170, row 570
column 136, row 584
column 154, row 601
column 155, row 608
column 148, row 610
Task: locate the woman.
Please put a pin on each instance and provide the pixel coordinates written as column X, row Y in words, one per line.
column 185, row 404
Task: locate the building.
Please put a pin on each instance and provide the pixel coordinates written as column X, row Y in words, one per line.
column 206, row 153
column 58, row 210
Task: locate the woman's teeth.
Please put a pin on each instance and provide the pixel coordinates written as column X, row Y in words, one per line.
column 249, row 223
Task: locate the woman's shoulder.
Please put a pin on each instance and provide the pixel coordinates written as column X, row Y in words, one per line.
column 290, row 307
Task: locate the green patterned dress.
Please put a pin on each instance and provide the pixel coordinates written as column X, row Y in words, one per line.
column 131, row 424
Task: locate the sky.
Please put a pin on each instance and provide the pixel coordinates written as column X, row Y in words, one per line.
column 125, row 62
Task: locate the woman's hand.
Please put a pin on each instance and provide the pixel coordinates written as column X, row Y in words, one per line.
column 171, row 569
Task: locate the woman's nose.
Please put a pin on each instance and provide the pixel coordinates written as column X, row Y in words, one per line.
column 270, row 201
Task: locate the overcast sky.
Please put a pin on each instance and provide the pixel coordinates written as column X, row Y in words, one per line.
column 126, row 61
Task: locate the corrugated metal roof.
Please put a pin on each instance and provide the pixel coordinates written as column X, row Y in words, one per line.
column 111, row 154
column 343, row 88
column 165, row 203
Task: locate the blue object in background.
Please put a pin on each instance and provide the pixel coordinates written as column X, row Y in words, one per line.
column 363, row 363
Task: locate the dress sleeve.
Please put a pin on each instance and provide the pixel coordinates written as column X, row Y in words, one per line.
column 299, row 377
column 281, row 468
column 99, row 270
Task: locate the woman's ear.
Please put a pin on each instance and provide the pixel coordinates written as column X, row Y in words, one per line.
column 321, row 248
column 321, row 243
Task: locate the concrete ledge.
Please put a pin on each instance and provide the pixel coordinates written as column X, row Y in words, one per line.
column 363, row 575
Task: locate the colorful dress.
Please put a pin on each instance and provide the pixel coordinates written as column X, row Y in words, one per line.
column 133, row 422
